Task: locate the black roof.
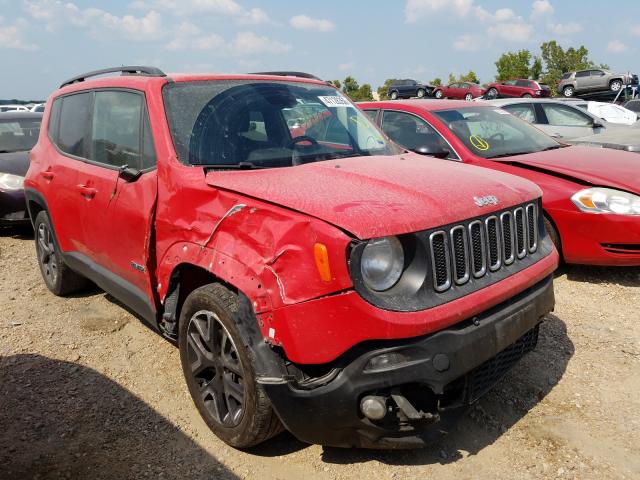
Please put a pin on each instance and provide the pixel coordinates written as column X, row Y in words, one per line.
column 19, row 115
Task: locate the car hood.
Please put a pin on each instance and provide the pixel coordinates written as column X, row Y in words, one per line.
column 596, row 166
column 377, row 196
column 16, row 163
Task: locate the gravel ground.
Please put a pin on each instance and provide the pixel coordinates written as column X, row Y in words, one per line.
column 86, row 391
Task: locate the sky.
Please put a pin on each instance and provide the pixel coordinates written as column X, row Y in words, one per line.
column 43, row 42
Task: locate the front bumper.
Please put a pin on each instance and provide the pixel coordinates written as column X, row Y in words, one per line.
column 438, row 374
column 599, row 239
column 13, row 208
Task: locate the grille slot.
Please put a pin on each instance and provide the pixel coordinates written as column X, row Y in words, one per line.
column 532, row 227
column 506, row 222
column 440, row 261
column 460, row 249
column 478, row 249
column 493, row 243
column 521, row 248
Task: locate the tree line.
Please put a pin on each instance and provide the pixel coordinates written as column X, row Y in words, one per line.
column 546, row 67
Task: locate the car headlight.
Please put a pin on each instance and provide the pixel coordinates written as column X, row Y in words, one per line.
column 9, row 181
column 607, row 200
column 382, row 263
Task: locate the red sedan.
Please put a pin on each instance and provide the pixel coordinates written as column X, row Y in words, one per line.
column 591, row 196
column 459, row 91
column 519, row 88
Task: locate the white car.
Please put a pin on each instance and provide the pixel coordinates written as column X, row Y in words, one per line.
column 38, row 107
column 612, row 113
column 13, row 108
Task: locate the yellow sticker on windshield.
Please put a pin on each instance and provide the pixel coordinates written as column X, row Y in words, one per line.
column 479, row 143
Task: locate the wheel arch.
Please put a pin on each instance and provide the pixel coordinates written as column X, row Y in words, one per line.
column 550, row 219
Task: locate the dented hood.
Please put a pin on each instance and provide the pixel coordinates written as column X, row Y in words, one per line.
column 596, row 166
column 377, row 196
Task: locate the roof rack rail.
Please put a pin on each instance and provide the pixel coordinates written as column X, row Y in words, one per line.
column 125, row 70
column 288, row 74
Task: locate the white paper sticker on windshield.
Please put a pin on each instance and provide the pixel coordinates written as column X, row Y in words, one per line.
column 501, row 112
column 335, row 101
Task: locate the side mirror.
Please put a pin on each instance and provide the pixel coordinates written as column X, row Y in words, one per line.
column 597, row 124
column 432, row 150
column 129, row 174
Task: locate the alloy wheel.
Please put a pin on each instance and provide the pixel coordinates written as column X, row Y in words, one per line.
column 216, row 368
column 46, row 254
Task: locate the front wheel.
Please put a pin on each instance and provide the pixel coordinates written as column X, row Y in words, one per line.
column 526, row 95
column 438, row 94
column 568, row 91
column 615, row 85
column 218, row 369
column 555, row 238
column 394, row 95
column 57, row 276
column 420, row 93
column 468, row 97
column 492, row 93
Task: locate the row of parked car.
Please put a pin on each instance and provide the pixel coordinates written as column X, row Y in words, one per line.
column 356, row 274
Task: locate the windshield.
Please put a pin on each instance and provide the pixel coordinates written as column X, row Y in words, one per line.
column 494, row 133
column 259, row 124
column 18, row 135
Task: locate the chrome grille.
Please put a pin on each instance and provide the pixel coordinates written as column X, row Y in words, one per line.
column 482, row 246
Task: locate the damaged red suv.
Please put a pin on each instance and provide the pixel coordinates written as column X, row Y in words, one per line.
column 313, row 275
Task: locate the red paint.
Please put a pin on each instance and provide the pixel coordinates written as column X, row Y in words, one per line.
column 559, row 173
column 454, row 92
column 532, row 89
column 257, row 230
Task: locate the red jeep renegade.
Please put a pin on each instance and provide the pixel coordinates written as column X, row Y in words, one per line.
column 313, row 275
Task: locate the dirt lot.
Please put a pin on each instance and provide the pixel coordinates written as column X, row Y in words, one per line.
column 86, row 391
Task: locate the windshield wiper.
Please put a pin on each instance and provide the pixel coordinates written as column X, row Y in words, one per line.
column 232, row 166
column 553, row 147
column 511, row 154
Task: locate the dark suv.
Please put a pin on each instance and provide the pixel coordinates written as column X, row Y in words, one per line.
column 408, row 88
column 313, row 274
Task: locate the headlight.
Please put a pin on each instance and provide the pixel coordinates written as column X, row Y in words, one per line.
column 11, row 182
column 607, row 200
column 382, row 263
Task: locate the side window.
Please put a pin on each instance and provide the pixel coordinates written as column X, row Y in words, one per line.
column 524, row 111
column 597, row 73
column 75, row 113
column 466, row 86
column 523, row 83
column 371, row 114
column 117, row 129
column 561, row 115
column 510, row 83
column 412, row 132
column 582, row 74
column 54, row 119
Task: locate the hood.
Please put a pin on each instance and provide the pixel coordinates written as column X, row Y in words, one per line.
column 16, row 163
column 596, row 166
column 377, row 196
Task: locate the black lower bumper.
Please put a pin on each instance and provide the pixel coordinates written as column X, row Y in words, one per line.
column 436, row 375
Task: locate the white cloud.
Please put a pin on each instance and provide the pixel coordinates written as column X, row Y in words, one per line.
column 635, row 30
column 541, row 8
column 616, row 46
column 228, row 8
column 55, row 14
column 12, row 36
column 564, row 29
column 470, row 43
column 248, row 43
column 517, row 31
column 346, row 66
column 415, row 10
column 304, row 22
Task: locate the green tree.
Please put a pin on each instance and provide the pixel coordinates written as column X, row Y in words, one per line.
column 558, row 61
column 436, row 82
column 470, row 76
column 516, row 65
column 336, row 83
column 384, row 89
column 364, row 92
column 350, row 87
column 452, row 79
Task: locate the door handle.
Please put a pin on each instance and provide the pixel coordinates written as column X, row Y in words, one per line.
column 87, row 192
column 47, row 175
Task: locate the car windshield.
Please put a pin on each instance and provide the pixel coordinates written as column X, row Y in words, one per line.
column 18, row 135
column 494, row 133
column 266, row 124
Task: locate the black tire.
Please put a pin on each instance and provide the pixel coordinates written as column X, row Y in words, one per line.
column 438, row 94
column 526, row 95
column 615, row 85
column 492, row 93
column 421, row 93
column 568, row 91
column 225, row 372
column 553, row 233
column 394, row 95
column 468, row 97
column 57, row 276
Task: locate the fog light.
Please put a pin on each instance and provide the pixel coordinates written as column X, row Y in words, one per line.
column 385, row 360
column 374, row 408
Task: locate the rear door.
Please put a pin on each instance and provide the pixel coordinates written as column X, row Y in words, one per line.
column 118, row 214
column 566, row 122
column 583, row 80
column 509, row 89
